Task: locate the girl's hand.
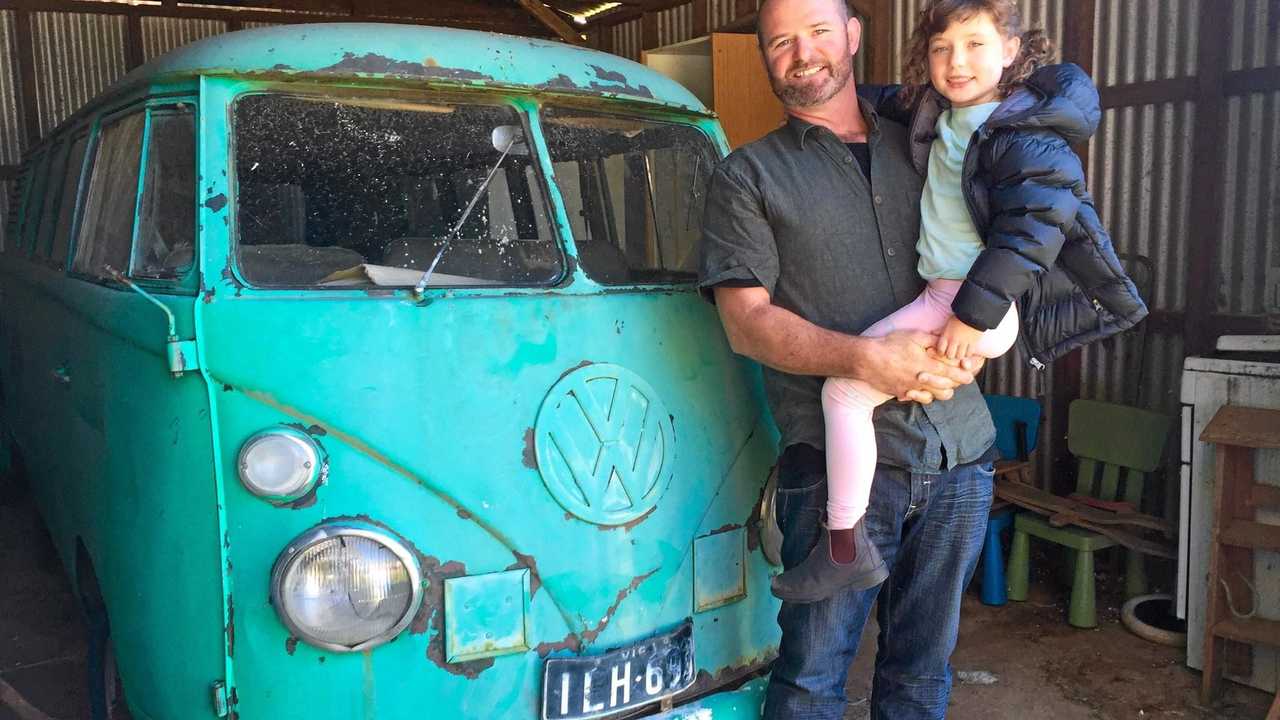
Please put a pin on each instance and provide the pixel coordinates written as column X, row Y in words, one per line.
column 957, row 339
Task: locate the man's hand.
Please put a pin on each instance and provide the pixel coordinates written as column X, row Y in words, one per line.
column 903, row 364
column 958, row 339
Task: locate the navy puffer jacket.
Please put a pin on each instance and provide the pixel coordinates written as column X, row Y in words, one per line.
column 1025, row 189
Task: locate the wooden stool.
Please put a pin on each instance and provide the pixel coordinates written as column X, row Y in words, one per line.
column 1237, row 431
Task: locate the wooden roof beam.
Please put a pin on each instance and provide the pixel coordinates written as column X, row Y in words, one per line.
column 548, row 17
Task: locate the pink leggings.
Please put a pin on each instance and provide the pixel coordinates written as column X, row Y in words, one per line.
column 847, row 404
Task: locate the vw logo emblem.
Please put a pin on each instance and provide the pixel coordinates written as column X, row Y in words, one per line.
column 605, row 444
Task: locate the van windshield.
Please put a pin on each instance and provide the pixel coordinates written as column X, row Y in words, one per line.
column 337, row 192
column 633, row 191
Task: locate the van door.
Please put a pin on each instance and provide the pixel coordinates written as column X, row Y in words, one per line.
column 139, row 493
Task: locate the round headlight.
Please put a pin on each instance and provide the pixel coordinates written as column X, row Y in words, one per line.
column 346, row 588
column 280, row 464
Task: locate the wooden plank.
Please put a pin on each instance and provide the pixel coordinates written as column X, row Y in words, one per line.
column 1247, row 82
column 1249, row 534
column 551, row 20
column 449, row 13
column 133, row 55
column 743, row 98
column 1150, row 92
column 1207, row 204
column 1266, row 497
column 1249, row 630
column 1047, row 503
column 877, row 37
column 1241, row 426
column 649, row 31
column 701, row 18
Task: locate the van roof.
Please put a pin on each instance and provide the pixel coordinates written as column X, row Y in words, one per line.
column 415, row 52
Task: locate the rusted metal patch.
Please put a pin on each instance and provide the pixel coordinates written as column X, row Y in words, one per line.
column 216, row 203
column 291, row 644
column 530, row 456
column 528, row 562
column 574, row 641
column 374, row 64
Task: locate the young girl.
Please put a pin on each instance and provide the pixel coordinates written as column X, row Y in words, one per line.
column 1005, row 220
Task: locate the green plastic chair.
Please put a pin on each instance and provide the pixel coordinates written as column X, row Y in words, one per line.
column 1116, row 446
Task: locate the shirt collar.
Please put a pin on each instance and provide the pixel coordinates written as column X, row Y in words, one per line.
column 801, row 128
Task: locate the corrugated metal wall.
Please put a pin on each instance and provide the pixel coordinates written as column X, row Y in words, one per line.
column 1248, row 281
column 625, row 39
column 675, row 25
column 160, row 34
column 11, row 130
column 77, row 56
column 1255, row 34
column 1127, row 50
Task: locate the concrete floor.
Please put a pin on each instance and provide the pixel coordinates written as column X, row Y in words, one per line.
column 1043, row 668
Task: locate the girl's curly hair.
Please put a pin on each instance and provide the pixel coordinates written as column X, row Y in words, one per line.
column 1037, row 48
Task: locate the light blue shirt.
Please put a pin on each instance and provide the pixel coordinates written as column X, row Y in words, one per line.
column 948, row 242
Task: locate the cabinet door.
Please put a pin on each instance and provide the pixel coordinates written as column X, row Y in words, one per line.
column 744, row 100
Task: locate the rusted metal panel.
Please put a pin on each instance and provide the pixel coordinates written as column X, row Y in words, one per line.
column 1255, row 34
column 719, row 561
column 675, row 25
column 626, row 39
column 11, row 131
column 1128, row 51
column 486, row 615
column 1248, row 281
column 160, row 35
column 77, row 56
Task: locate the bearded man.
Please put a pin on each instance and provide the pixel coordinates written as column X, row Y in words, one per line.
column 808, row 238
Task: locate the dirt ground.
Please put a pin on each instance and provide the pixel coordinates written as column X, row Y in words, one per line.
column 1042, row 667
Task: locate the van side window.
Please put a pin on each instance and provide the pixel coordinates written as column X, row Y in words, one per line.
column 166, row 212
column 67, row 201
column 633, row 190
column 49, row 206
column 34, row 197
column 106, row 230
column 333, row 192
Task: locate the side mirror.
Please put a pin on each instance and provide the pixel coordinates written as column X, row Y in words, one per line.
column 509, row 139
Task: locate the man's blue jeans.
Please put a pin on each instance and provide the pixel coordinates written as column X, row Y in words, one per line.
column 930, row 529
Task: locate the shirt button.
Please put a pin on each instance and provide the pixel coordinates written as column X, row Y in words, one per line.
column 848, row 159
column 890, row 252
column 879, row 200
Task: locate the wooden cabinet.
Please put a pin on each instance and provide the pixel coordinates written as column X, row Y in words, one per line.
column 726, row 73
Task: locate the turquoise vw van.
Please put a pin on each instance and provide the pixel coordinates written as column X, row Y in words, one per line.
column 359, row 372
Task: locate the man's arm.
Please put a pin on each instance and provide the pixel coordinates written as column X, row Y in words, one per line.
column 899, row 364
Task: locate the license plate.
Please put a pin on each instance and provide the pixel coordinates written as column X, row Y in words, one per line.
column 578, row 688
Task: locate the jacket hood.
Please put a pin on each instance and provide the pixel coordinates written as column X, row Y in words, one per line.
column 1061, row 98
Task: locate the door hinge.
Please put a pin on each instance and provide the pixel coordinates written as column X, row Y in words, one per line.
column 182, row 355
column 219, row 698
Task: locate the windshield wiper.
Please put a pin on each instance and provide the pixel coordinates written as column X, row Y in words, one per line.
column 512, row 138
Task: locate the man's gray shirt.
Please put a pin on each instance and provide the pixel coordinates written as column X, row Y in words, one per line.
column 793, row 212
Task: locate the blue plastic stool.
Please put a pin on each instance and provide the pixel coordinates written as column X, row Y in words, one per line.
column 994, row 589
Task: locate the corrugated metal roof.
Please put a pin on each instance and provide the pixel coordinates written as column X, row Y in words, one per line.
column 12, row 134
column 160, row 34
column 77, row 56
